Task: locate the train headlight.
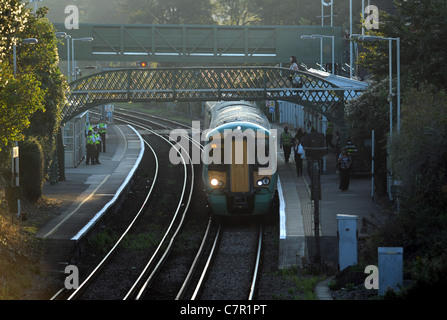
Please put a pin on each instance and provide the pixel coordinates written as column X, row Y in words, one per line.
column 265, row 181
column 216, row 183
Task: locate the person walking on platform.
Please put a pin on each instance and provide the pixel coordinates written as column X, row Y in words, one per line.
column 97, row 145
column 344, row 164
column 285, row 142
column 91, row 148
column 298, row 152
column 102, row 132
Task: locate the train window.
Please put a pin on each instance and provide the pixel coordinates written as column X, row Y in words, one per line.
column 214, row 152
column 262, row 153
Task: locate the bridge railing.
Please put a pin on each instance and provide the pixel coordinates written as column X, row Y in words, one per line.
column 204, row 84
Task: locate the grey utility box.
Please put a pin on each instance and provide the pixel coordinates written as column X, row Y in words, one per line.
column 347, row 240
column 390, row 268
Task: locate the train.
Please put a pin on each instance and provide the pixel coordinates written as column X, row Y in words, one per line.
column 239, row 163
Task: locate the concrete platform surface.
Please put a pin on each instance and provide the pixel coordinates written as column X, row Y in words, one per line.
column 88, row 191
column 297, row 244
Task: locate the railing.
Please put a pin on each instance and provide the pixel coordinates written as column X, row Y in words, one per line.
column 206, row 84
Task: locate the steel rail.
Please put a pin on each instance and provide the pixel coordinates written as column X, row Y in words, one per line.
column 194, row 264
column 202, row 246
column 143, row 274
column 256, row 268
column 91, row 276
column 207, row 265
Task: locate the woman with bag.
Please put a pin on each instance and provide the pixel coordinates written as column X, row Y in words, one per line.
column 294, row 78
column 298, row 152
column 344, row 164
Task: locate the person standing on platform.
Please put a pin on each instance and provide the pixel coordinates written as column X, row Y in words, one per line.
column 329, row 132
column 285, row 142
column 102, row 132
column 88, row 127
column 344, row 164
column 91, row 148
column 298, row 152
column 97, row 144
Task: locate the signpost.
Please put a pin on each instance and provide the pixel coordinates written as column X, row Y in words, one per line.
column 271, row 106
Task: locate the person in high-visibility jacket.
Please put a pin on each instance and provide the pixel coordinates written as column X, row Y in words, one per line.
column 102, row 132
column 285, row 142
column 91, row 148
column 88, row 127
column 98, row 145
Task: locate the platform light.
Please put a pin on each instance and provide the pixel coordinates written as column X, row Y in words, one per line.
column 214, row 182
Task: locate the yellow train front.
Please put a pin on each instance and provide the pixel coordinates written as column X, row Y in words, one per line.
column 239, row 170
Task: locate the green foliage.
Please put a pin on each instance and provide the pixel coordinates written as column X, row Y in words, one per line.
column 13, row 18
column 234, row 12
column 167, row 12
column 419, row 155
column 42, row 60
column 370, row 111
column 30, row 103
column 31, row 169
column 19, row 99
column 422, row 29
column 225, row 12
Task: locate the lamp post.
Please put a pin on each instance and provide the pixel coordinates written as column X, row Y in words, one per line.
column 15, row 151
column 68, row 37
column 391, row 94
column 35, row 4
column 86, row 39
column 321, row 36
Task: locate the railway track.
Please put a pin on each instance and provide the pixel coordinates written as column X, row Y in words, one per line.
column 235, row 256
column 149, row 284
column 166, row 240
column 221, row 241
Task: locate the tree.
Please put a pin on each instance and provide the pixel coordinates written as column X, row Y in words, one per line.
column 234, row 12
column 22, row 95
column 30, row 103
column 422, row 29
column 19, row 98
column 42, row 60
column 167, row 11
column 13, row 18
column 370, row 111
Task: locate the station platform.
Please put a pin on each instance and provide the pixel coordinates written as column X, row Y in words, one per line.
column 296, row 243
column 88, row 192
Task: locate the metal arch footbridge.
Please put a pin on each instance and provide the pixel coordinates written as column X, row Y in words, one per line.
column 311, row 90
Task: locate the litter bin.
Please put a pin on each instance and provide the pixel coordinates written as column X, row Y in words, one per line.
column 347, row 240
column 390, row 269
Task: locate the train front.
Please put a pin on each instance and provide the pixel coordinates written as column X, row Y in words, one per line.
column 239, row 169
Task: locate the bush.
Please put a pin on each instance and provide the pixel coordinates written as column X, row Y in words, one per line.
column 370, row 111
column 31, row 169
column 419, row 161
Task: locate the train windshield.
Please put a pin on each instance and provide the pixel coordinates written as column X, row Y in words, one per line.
column 251, row 151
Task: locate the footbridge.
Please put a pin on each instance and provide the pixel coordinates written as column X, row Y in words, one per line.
column 314, row 90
